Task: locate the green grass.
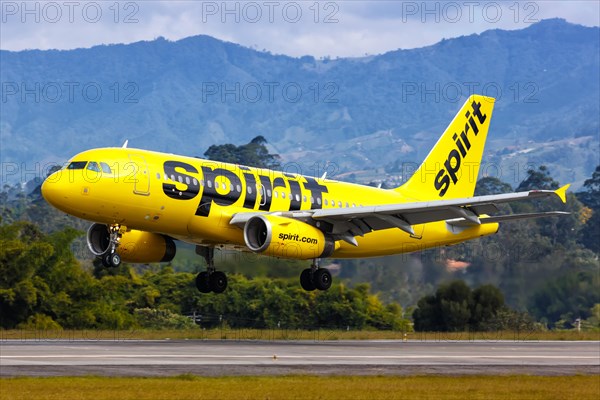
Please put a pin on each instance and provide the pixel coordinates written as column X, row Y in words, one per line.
column 304, row 387
column 283, row 334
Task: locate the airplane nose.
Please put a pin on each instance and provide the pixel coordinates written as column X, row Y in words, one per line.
column 47, row 190
column 51, row 191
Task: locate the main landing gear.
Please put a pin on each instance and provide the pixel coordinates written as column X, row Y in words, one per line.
column 315, row 277
column 110, row 258
column 215, row 281
column 210, row 280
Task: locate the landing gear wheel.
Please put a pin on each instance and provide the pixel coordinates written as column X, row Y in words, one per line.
column 306, row 280
column 111, row 260
column 322, row 279
column 106, row 260
column 115, row 260
column 210, row 280
column 218, row 282
column 202, row 282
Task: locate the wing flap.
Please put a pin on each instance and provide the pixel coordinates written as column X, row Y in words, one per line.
column 437, row 210
column 457, row 212
column 462, row 222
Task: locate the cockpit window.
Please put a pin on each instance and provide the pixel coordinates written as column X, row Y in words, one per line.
column 77, row 165
column 105, row 168
column 93, row 166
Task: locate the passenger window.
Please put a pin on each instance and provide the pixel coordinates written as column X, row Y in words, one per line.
column 179, row 178
column 319, row 200
column 347, row 205
column 106, row 169
column 238, row 188
column 209, row 183
column 275, row 194
column 304, row 199
column 268, row 192
column 77, row 165
column 339, row 204
column 249, row 189
column 326, row 202
column 157, row 175
column 195, row 182
column 283, row 195
column 297, row 197
column 187, row 180
column 93, row 166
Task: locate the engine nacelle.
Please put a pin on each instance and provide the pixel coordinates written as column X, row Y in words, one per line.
column 135, row 246
column 286, row 238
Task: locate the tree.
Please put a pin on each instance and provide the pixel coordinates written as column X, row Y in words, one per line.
column 590, row 196
column 491, row 185
column 538, row 179
column 561, row 230
column 486, row 301
column 590, row 192
column 253, row 154
column 454, row 307
column 590, row 233
column 567, row 297
column 224, row 152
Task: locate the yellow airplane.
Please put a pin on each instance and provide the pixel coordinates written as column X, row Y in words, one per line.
column 141, row 201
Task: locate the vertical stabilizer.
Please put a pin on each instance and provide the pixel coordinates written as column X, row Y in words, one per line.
column 451, row 168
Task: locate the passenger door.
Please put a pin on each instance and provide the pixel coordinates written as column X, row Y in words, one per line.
column 141, row 176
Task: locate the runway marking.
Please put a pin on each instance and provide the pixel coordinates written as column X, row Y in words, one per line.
column 105, row 356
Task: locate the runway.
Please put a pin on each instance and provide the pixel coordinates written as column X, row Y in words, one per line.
column 216, row 358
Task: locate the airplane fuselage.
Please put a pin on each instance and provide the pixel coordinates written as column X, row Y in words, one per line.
column 193, row 200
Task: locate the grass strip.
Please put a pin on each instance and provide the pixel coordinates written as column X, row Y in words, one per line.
column 304, row 387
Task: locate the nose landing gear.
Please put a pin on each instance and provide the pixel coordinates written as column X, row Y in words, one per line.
column 110, row 258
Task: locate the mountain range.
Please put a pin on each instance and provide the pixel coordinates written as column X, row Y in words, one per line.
column 359, row 118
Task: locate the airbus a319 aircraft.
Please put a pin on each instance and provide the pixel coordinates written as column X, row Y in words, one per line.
column 142, row 201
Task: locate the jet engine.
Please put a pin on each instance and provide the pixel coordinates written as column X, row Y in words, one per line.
column 286, row 238
column 134, row 246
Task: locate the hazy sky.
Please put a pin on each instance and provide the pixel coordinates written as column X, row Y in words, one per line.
column 319, row 28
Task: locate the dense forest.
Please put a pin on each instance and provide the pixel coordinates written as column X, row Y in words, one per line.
column 537, row 274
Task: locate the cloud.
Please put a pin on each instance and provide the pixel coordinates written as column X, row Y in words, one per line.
column 325, row 28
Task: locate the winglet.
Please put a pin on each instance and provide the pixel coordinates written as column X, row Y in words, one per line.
column 562, row 192
column 125, row 144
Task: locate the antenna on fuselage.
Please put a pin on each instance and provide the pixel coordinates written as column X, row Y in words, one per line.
column 125, row 144
column 325, row 173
